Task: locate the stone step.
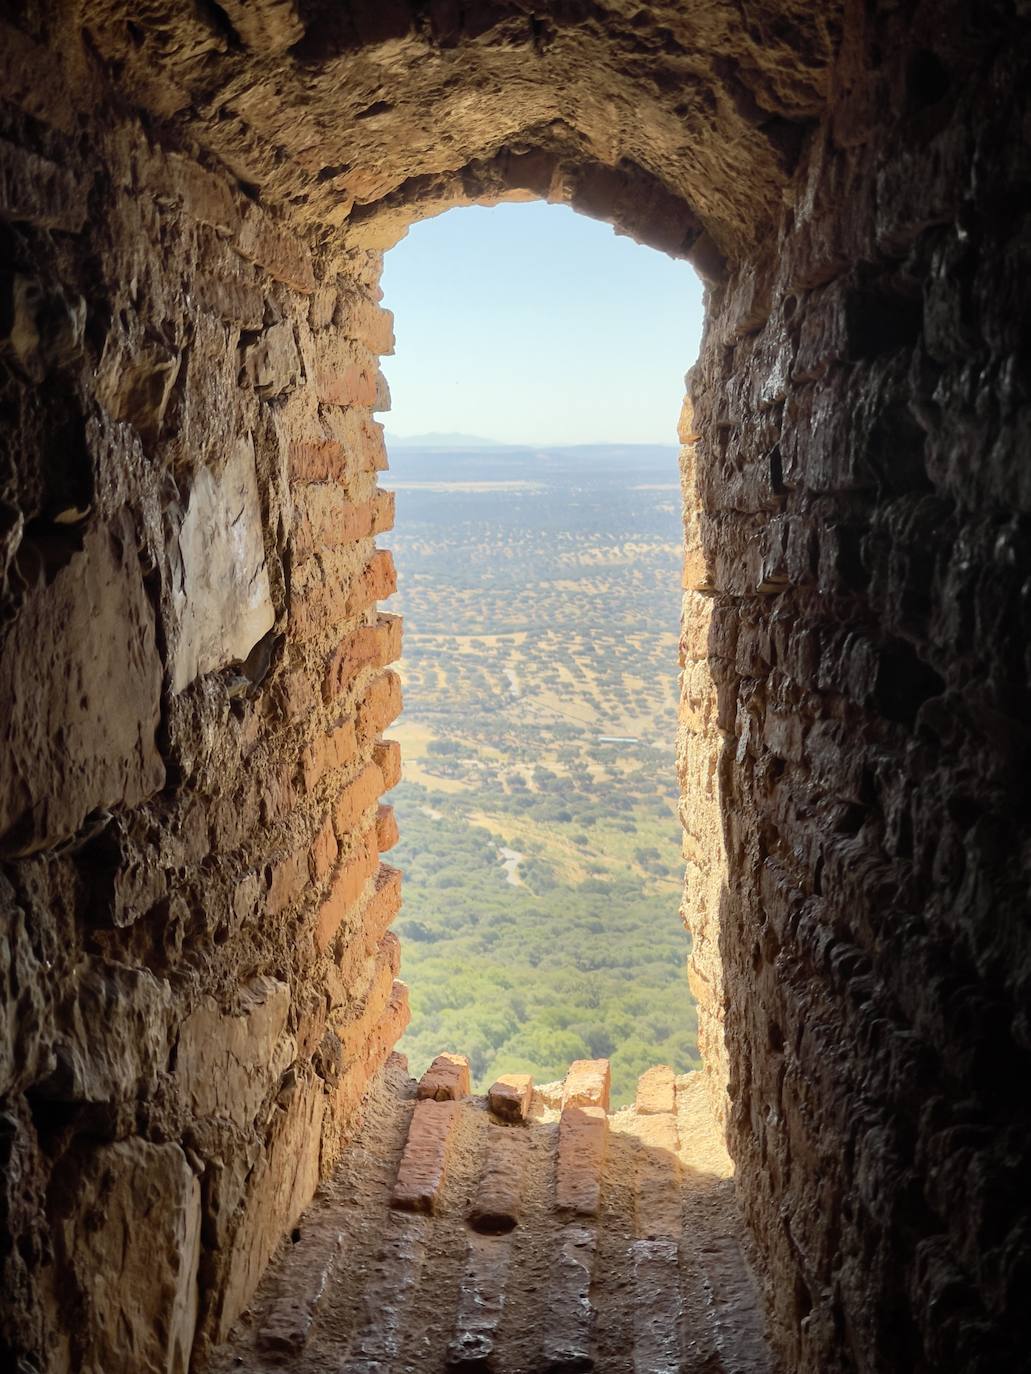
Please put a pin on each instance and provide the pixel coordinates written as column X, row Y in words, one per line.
column 582, row 1137
column 481, row 1302
column 568, row 1317
column 288, row 1319
column 446, row 1079
column 657, row 1175
column 423, row 1166
column 658, row 1307
column 656, row 1091
column 388, row 1295
column 509, row 1096
column 587, row 1083
column 496, row 1207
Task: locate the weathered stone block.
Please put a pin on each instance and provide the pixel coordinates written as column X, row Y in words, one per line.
column 387, row 834
column 498, row 1199
column 509, row 1096
column 225, row 1063
column 446, row 1079
column 424, row 1162
column 81, row 679
column 132, row 1239
column 221, row 589
column 656, row 1090
column 587, row 1084
column 274, row 248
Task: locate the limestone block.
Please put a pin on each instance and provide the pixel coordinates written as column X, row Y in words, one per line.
column 81, row 644
column 655, row 1090
column 279, row 1188
column 226, row 1064
column 133, row 1241
column 221, row 593
column 113, row 1035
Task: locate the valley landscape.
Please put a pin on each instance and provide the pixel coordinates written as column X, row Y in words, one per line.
column 537, row 811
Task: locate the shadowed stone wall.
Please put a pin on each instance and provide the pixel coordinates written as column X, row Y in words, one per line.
column 855, row 709
column 196, row 976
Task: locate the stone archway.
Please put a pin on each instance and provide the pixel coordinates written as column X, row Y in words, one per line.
column 199, row 981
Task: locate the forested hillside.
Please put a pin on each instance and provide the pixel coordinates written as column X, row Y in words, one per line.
column 539, row 837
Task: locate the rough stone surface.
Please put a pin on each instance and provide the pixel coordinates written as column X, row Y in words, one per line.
column 446, row 1079
column 655, row 1090
column 497, row 1206
column 587, row 1083
column 583, row 1135
column 146, row 1309
column 193, row 202
column 509, row 1096
column 424, row 1163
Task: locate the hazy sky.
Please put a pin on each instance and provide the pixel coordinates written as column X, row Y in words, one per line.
column 531, row 324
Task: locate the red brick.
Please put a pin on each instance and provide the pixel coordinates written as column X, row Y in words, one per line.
column 373, row 1001
column 332, row 523
column 369, row 646
column 286, row 883
column 317, row 460
column 387, row 755
column 294, row 695
column 386, row 826
column 384, row 507
column 381, row 704
column 382, row 1039
column 499, row 1192
column 382, row 906
column 587, row 1084
column 582, row 1137
column 348, row 882
column 446, row 1079
column 350, row 384
column 324, row 604
column 355, row 799
column 510, row 1095
column 362, row 437
column 330, row 751
column 424, row 1162
column 324, row 850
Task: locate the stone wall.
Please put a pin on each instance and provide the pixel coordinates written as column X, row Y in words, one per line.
column 197, row 980
column 855, row 710
column 195, row 972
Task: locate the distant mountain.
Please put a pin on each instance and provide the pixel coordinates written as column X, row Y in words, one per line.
column 438, row 440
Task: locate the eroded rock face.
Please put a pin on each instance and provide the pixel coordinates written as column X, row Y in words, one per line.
column 139, row 1281
column 221, row 586
column 80, row 680
column 198, row 981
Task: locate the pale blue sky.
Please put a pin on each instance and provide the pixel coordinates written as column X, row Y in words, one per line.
column 531, row 324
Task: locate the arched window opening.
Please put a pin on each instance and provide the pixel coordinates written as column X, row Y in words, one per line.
column 539, row 550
